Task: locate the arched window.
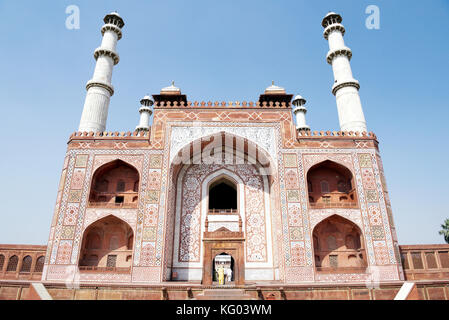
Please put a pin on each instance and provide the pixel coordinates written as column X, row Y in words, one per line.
column 223, row 195
column 350, row 243
column 2, row 261
column 342, row 186
column 26, row 264
column 113, row 243
column 136, row 186
column 93, row 241
column 120, row 186
column 12, row 264
column 331, row 243
column 324, row 186
column 309, row 186
column 39, row 264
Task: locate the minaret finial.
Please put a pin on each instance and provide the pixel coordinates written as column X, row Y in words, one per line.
column 272, row 82
column 173, row 83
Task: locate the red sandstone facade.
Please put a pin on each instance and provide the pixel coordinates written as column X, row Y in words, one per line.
column 120, row 215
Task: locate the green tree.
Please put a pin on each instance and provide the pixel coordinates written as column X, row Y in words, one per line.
column 445, row 231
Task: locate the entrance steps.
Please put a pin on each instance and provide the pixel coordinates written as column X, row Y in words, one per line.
column 223, row 294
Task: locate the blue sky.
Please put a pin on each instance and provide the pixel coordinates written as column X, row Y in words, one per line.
column 225, row 50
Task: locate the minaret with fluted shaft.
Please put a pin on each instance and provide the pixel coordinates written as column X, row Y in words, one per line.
column 345, row 88
column 99, row 88
column 145, row 114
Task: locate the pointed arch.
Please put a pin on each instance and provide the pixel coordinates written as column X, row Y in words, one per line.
column 39, row 266
column 26, row 264
column 239, row 151
column 331, row 185
column 105, row 245
column 223, row 194
column 338, row 246
column 114, row 184
column 12, row 263
column 201, row 150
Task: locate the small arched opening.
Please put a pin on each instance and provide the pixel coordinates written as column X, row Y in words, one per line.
column 106, row 246
column 225, row 261
column 12, row 264
column 223, row 196
column 338, row 246
column 39, row 266
column 115, row 184
column 331, row 185
column 26, row 264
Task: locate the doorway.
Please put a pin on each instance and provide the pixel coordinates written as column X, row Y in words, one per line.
column 225, row 261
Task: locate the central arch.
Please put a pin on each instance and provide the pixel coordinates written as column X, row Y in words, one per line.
column 211, row 175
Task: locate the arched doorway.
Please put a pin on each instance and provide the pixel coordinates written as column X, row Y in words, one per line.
column 338, row 246
column 225, row 261
column 107, row 246
column 198, row 189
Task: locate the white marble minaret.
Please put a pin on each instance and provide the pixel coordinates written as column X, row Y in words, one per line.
column 145, row 114
column 300, row 113
column 345, row 88
column 99, row 88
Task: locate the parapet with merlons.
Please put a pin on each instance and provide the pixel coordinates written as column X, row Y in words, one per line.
column 223, row 104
